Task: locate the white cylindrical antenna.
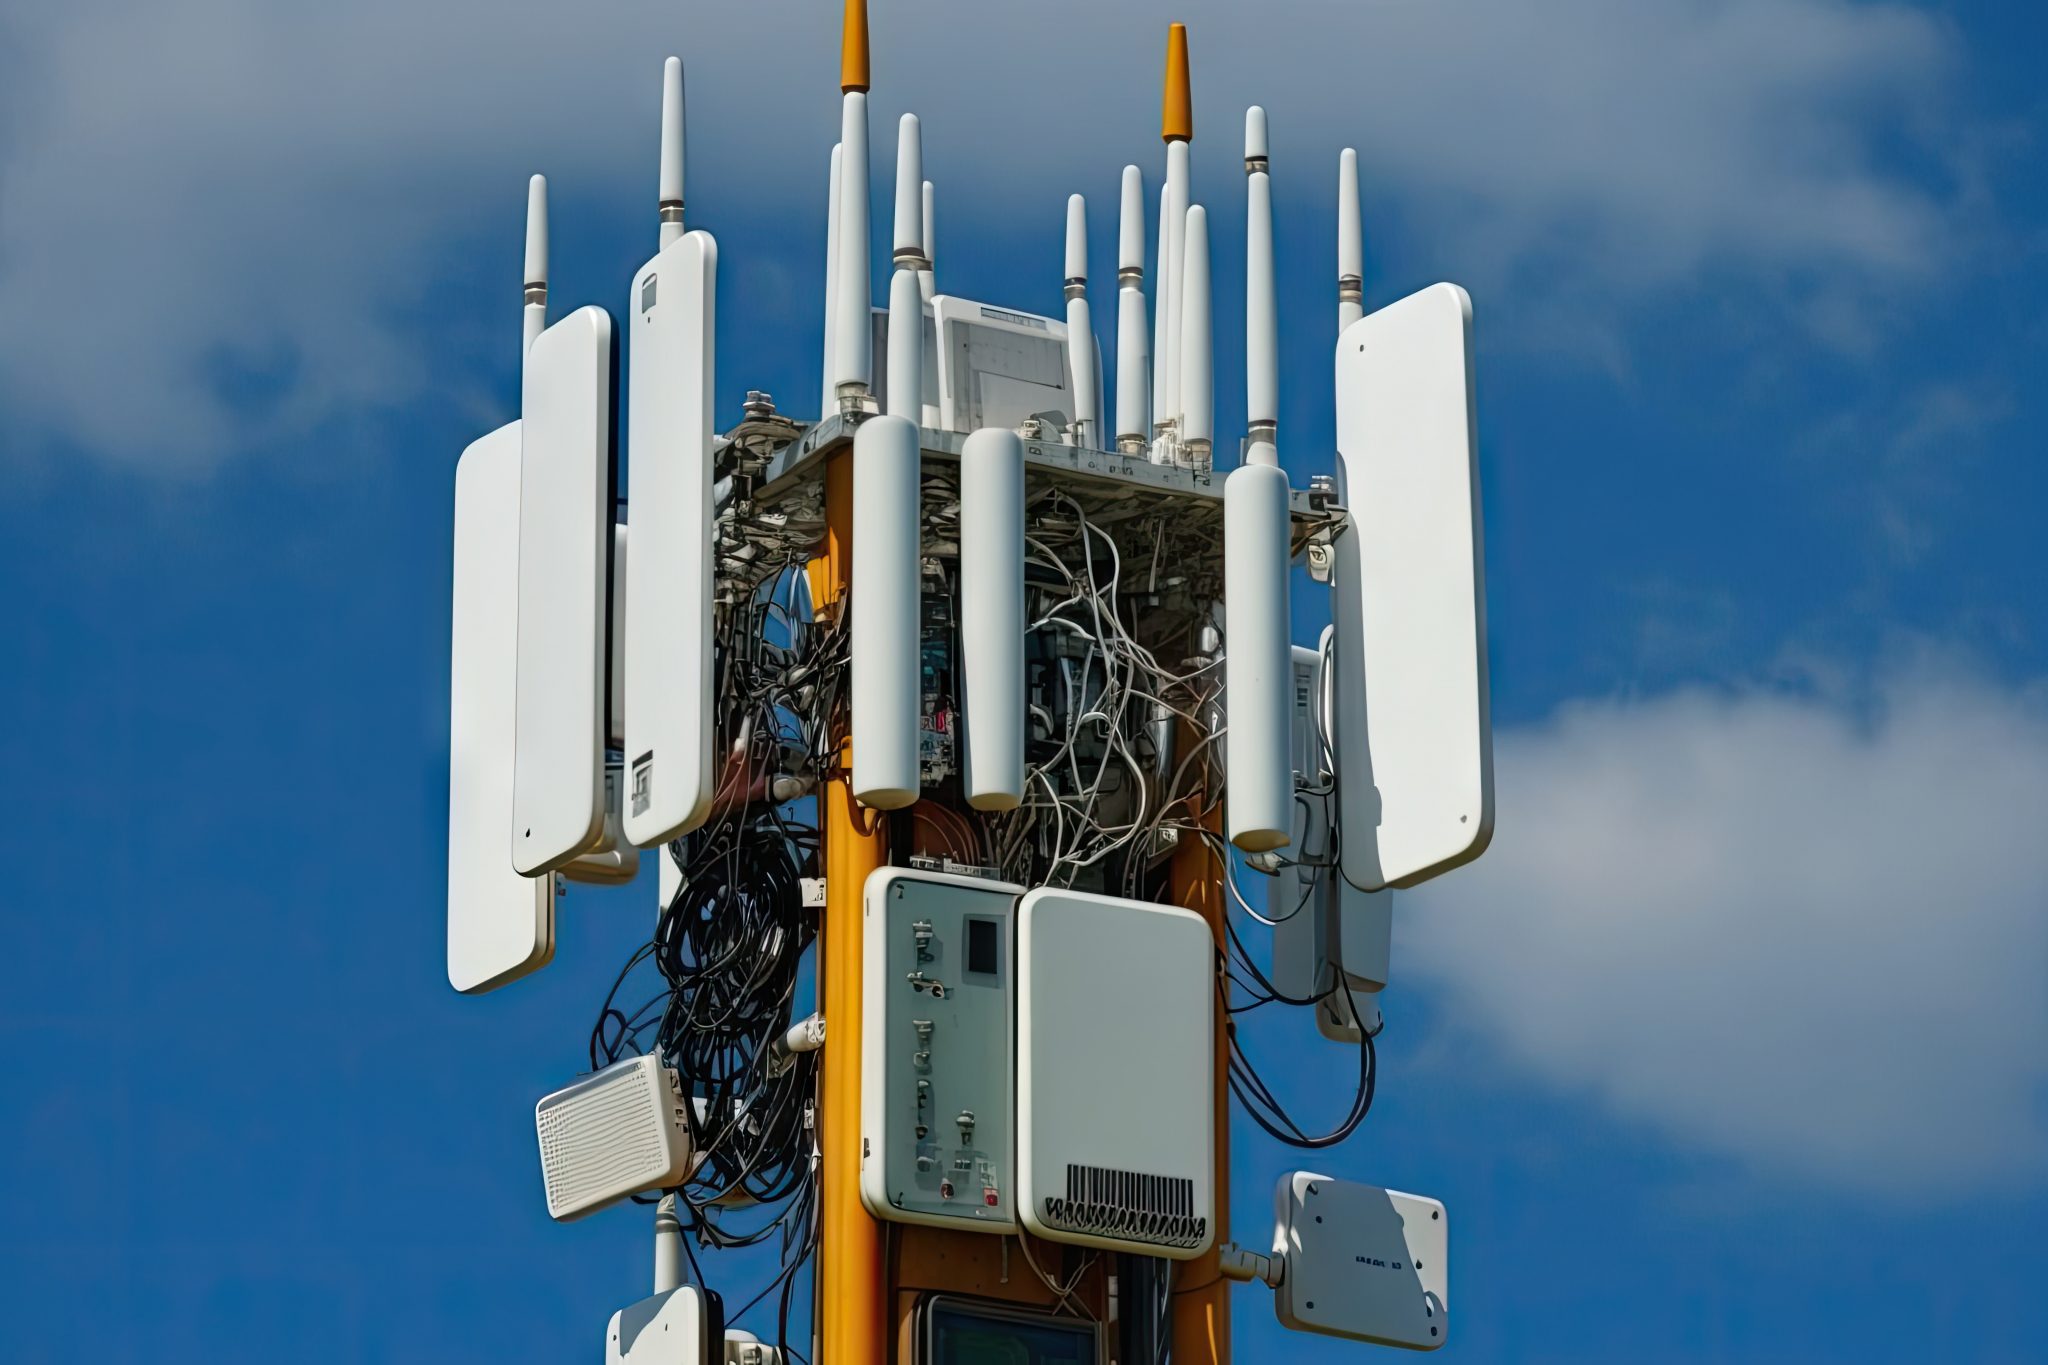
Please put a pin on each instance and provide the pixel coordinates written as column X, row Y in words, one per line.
column 905, row 372
column 1133, row 396
column 668, row 1231
column 1161, row 292
column 1197, row 428
column 992, row 631
column 1258, row 658
column 853, row 326
column 1261, row 316
column 534, row 316
column 925, row 283
column 831, row 390
column 1177, row 128
column 1081, row 359
column 909, row 235
column 1350, row 244
column 671, row 150
column 1167, row 403
column 886, row 630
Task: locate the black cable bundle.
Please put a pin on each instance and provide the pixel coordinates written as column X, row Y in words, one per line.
column 729, row 946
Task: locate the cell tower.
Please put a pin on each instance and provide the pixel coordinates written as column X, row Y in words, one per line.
column 963, row 722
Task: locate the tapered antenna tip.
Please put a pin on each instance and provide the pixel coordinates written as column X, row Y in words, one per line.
column 1077, row 239
column 853, row 47
column 537, row 230
column 1177, row 110
column 1255, row 144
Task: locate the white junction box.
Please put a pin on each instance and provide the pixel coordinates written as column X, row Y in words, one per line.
column 613, row 1134
column 938, row 1088
column 568, row 469
column 501, row 926
column 684, row 1326
column 998, row 367
column 1415, row 739
column 1362, row 1262
column 1115, row 1073
column 673, row 312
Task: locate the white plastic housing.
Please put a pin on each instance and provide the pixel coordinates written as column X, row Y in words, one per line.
column 612, row 1134
column 937, row 1043
column 682, row 1326
column 886, row 632
column 670, row 384
column 1133, row 364
column 501, row 926
column 992, row 618
column 1258, row 660
column 1196, row 397
column 1302, row 934
column 1415, row 763
column 850, row 340
column 998, row 367
column 1362, row 1262
column 567, row 471
column 1115, row 1073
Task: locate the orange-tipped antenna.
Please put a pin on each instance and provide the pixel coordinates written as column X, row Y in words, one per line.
column 853, row 47
column 1177, row 110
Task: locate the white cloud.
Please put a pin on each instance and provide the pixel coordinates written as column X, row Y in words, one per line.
column 223, row 197
column 1804, row 934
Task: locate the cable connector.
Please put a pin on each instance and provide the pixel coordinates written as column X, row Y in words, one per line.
column 806, row 1035
column 1236, row 1263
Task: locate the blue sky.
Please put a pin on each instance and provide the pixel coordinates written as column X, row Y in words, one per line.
column 1733, row 1048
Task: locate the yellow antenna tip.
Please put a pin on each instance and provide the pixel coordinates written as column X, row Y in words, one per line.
column 1177, row 110
column 853, row 47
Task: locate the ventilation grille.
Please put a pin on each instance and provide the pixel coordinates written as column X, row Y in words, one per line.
column 1129, row 1206
column 608, row 1136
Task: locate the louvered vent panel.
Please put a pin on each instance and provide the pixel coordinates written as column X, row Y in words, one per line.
column 1129, row 1205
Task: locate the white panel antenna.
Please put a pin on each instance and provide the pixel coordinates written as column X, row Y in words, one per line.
column 1133, row 395
column 1116, row 1073
column 1415, row 762
column 568, row 469
column 683, row 1326
column 1081, row 358
column 887, row 635
column 501, row 925
column 616, row 1133
column 671, row 386
column 992, row 630
column 1361, row 1262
